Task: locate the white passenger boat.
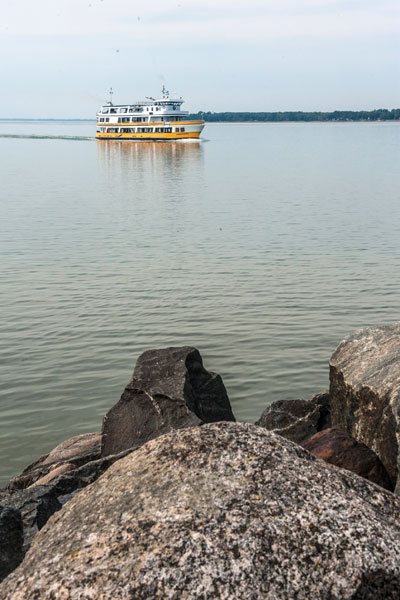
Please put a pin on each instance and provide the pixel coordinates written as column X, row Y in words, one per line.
column 150, row 119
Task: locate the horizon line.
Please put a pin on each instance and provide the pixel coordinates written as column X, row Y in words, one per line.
column 249, row 112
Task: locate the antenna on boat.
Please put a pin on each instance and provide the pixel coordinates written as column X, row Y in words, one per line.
column 165, row 92
column 111, row 94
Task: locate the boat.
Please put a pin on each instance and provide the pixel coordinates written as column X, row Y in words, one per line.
column 150, row 119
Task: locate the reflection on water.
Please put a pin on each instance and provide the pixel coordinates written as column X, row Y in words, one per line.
column 158, row 174
column 153, row 154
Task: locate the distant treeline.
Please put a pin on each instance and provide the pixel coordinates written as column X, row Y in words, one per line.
column 381, row 114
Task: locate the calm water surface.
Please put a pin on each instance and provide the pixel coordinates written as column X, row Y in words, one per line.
column 262, row 245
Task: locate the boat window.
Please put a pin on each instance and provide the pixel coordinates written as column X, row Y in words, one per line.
column 168, row 130
column 105, row 111
column 113, row 111
column 123, row 110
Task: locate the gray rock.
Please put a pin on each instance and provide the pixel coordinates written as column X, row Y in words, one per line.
column 11, row 540
column 35, row 505
column 170, row 389
column 365, row 391
column 227, row 511
column 338, row 448
column 297, row 420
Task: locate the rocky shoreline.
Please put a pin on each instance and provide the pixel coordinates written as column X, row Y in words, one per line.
column 174, row 499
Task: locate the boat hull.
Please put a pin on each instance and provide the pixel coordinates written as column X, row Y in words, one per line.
column 151, row 131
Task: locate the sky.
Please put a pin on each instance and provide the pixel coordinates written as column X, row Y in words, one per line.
column 60, row 57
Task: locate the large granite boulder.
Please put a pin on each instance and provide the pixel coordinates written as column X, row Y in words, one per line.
column 11, row 540
column 338, row 448
column 170, row 389
column 365, row 391
column 297, row 420
column 226, row 510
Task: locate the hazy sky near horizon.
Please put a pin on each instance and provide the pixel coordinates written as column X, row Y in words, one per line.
column 60, row 57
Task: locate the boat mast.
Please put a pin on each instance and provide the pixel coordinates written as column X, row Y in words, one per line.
column 111, row 95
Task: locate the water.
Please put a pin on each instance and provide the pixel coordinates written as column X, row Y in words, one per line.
column 262, row 245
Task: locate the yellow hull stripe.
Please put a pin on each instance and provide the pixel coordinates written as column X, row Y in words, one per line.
column 148, row 136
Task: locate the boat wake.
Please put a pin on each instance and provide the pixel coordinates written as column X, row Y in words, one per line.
column 78, row 138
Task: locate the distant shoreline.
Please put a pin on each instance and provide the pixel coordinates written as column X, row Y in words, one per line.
column 341, row 116
column 381, row 114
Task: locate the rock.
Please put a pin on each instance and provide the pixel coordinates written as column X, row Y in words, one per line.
column 170, row 389
column 73, row 452
column 297, row 420
column 11, row 539
column 37, row 503
column 59, row 470
column 79, row 446
column 338, row 448
column 227, row 511
column 365, row 391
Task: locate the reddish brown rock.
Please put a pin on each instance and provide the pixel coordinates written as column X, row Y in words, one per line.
column 53, row 473
column 73, row 452
column 338, row 448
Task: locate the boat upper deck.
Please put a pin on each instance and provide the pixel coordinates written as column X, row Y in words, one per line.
column 161, row 107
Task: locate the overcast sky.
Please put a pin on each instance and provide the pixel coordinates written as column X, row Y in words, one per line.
column 60, row 57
